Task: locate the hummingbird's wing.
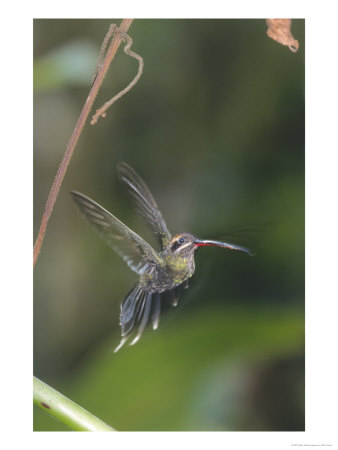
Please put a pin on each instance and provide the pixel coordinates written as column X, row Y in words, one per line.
column 145, row 203
column 134, row 250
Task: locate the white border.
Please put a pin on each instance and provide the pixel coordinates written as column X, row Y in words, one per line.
column 321, row 225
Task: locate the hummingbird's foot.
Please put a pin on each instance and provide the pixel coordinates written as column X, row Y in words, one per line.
column 173, row 297
column 185, row 285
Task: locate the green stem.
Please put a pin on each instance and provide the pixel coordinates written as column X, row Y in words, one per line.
column 65, row 410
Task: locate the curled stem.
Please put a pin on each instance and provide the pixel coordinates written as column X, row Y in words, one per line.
column 98, row 78
column 101, row 112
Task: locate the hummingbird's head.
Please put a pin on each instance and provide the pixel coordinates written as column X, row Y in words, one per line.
column 183, row 245
column 186, row 244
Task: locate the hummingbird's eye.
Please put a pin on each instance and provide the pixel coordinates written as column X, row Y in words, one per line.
column 177, row 243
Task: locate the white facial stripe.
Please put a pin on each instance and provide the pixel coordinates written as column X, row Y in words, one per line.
column 183, row 246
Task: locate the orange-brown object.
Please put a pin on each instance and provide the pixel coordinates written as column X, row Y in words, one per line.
column 99, row 76
column 280, row 30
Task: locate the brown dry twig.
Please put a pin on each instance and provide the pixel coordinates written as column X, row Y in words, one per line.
column 280, row 30
column 101, row 112
column 102, row 68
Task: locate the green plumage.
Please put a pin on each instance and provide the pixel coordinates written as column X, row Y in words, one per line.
column 162, row 274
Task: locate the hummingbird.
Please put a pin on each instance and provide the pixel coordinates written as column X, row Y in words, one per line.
column 162, row 274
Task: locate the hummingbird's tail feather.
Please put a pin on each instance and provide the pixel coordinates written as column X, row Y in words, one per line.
column 156, row 312
column 141, row 307
column 121, row 344
column 145, row 316
column 138, row 308
column 129, row 310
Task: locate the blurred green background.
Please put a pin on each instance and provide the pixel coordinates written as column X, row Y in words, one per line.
column 216, row 128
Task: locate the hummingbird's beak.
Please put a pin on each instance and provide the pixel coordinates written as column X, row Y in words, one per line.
column 201, row 243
